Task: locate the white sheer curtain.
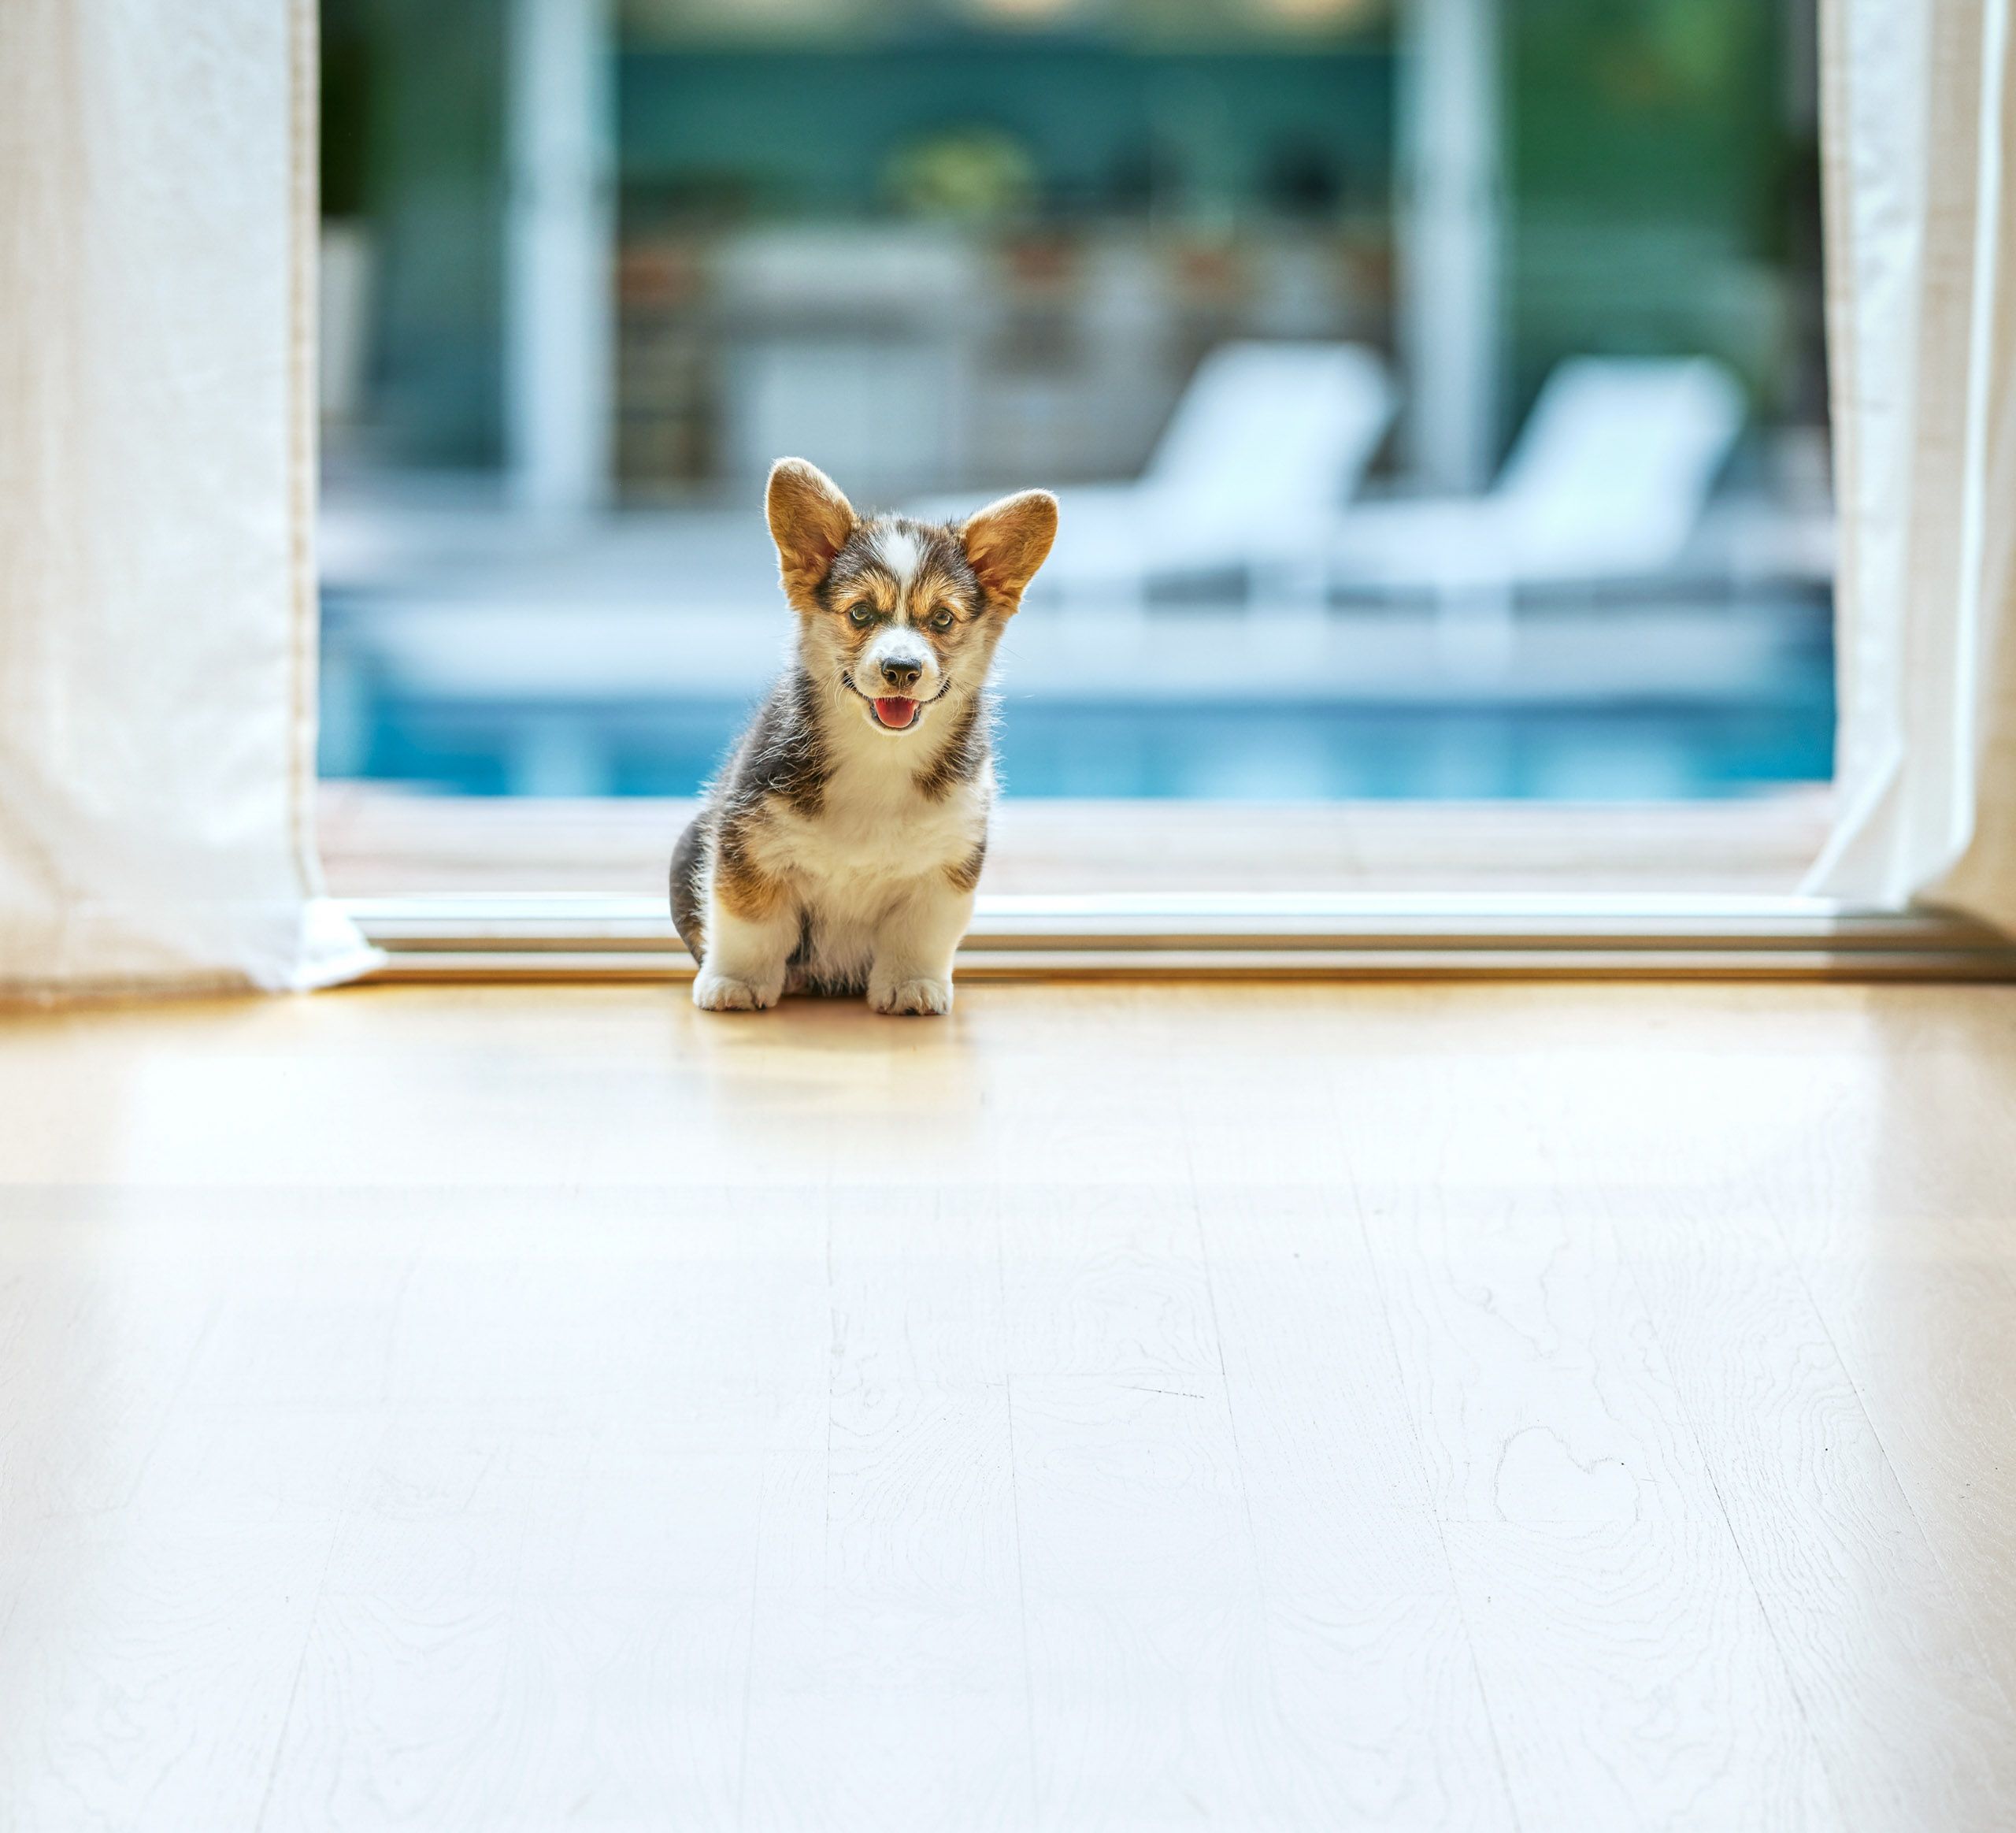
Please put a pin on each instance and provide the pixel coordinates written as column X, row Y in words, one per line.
column 157, row 610
column 1921, row 259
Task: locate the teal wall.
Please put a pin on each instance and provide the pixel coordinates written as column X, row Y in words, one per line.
column 1660, row 200
column 414, row 137
column 811, row 132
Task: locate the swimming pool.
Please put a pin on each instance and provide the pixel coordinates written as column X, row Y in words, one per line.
column 1217, row 751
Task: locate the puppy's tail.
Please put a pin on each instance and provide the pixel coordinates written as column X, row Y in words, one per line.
column 687, row 858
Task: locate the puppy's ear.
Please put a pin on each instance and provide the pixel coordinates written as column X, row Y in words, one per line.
column 809, row 521
column 1007, row 541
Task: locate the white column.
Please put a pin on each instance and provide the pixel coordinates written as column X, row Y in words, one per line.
column 559, row 327
column 1451, row 200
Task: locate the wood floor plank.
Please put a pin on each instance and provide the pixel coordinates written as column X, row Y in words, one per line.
column 910, row 1613
column 145, row 1678
column 1882, row 1649
column 1898, row 1205
column 1147, row 1640
column 1927, row 1346
column 1106, row 1280
column 1379, row 1719
column 1629, row 1667
column 1148, row 1646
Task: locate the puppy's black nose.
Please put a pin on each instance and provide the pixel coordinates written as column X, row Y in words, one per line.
column 901, row 674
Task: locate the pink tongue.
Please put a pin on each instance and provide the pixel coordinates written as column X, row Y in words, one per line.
column 895, row 712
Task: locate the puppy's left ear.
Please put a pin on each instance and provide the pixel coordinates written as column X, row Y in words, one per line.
column 1006, row 542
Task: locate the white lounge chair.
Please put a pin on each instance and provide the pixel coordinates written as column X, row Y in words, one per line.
column 1268, row 441
column 1607, row 480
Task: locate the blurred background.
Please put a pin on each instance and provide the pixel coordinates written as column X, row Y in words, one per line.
column 1435, row 388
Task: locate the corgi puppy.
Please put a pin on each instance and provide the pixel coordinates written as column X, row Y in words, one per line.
column 838, row 851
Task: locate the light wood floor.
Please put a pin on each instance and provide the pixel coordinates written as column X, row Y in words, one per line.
column 1551, row 1408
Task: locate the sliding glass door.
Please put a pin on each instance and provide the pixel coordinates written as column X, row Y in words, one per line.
column 1435, row 393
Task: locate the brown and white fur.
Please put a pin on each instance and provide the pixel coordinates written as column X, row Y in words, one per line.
column 839, row 850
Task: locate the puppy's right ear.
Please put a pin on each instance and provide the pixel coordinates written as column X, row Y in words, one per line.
column 810, row 521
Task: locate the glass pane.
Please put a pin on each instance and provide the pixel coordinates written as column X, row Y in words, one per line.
column 1435, row 393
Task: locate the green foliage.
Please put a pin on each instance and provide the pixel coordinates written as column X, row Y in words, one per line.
column 1648, row 167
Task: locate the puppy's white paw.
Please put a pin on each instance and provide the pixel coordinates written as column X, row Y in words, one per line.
column 723, row 992
column 923, row 996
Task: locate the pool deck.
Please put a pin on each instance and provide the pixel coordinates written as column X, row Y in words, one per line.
column 379, row 841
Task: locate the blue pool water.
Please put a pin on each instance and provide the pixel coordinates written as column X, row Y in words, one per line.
column 1260, row 752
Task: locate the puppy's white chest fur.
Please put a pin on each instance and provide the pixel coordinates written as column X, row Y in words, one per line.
column 873, row 866
column 875, row 834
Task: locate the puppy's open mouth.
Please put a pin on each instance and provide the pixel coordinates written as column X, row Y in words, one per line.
column 897, row 712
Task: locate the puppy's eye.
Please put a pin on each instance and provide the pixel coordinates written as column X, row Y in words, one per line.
column 862, row 616
column 941, row 619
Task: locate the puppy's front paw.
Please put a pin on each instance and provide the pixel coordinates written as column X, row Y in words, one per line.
column 723, row 992
column 923, row 996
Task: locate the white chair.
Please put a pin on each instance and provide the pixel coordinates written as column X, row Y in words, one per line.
column 1607, row 480
column 1268, row 441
